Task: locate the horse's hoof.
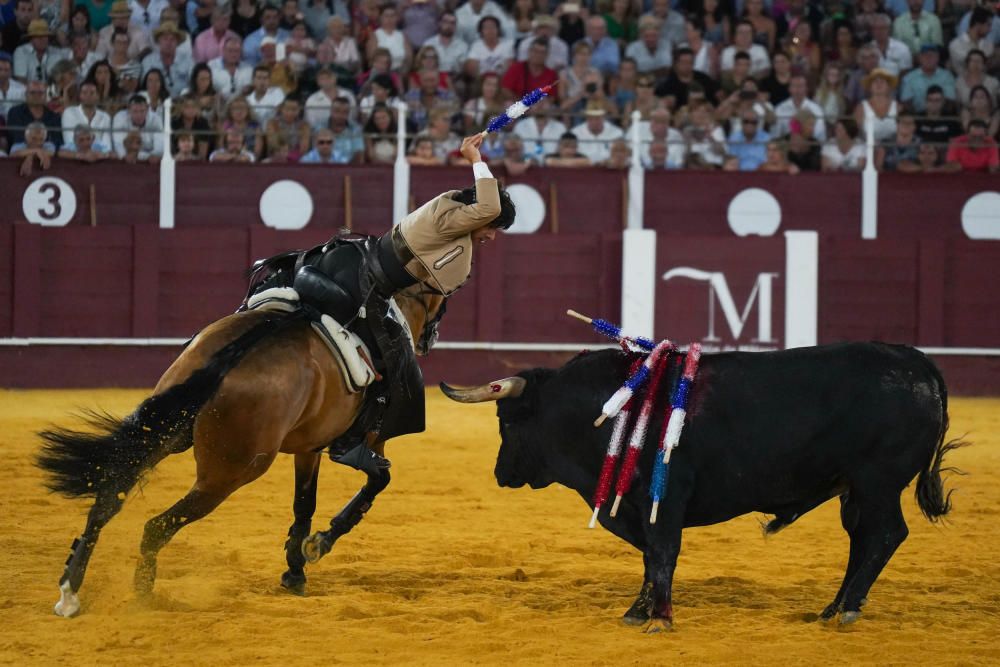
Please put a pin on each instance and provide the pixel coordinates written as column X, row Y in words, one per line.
column 314, row 547
column 145, row 576
column 849, row 617
column 657, row 625
column 69, row 602
column 635, row 620
column 294, row 583
column 830, row 611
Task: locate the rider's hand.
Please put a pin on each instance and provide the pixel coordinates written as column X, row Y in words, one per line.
column 470, row 148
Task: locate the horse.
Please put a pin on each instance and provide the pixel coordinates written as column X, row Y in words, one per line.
column 246, row 388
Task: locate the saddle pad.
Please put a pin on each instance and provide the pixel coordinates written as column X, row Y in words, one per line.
column 284, row 299
column 351, row 354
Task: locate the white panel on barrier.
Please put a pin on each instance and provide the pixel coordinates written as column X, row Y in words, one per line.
column 530, row 209
column 801, row 288
column 286, row 204
column 981, row 216
column 638, row 282
column 49, row 201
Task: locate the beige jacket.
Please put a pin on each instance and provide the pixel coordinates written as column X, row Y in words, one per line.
column 439, row 236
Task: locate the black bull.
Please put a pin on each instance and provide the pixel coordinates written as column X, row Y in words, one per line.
column 776, row 432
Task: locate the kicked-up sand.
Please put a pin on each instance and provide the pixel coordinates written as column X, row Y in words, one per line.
column 449, row 569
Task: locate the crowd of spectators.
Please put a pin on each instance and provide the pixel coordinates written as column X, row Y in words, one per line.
column 770, row 85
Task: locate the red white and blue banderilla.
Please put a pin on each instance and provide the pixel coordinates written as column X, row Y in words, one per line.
column 614, row 332
column 517, row 109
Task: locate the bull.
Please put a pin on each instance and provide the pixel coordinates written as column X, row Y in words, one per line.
column 773, row 432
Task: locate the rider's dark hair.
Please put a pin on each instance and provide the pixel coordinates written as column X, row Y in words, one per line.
column 507, row 210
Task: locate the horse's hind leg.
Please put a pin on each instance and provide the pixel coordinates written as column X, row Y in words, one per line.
column 106, row 506
column 304, row 506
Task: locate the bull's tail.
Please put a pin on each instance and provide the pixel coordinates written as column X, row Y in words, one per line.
column 932, row 498
column 113, row 458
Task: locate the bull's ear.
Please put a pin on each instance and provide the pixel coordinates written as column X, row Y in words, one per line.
column 511, row 387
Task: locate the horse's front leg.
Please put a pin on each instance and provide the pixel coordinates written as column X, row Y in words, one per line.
column 304, row 506
column 376, row 468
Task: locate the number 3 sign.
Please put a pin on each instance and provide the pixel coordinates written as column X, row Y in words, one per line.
column 49, row 201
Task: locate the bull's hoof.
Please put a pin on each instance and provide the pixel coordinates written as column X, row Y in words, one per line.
column 69, row 602
column 657, row 625
column 315, row 547
column 294, row 583
column 849, row 617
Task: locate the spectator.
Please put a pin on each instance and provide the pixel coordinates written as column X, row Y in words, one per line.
column 380, row 65
column 318, row 104
column 383, row 91
column 34, row 59
column 470, row 15
column 208, row 45
column 515, row 162
column 154, row 89
column 33, row 110
column 973, row 151
column 427, row 58
column 270, row 18
column 776, row 83
column 866, row 13
column 338, row 50
column 803, row 51
column 134, row 152
column 288, row 124
column 966, row 20
column 620, row 22
column 658, row 130
column 33, row 148
column 523, row 77
column 277, row 149
column 61, row 92
column 230, row 77
column 233, row 148
column 147, row 13
column 747, row 99
column 138, row 119
column 733, row 79
column 80, row 53
column 623, row 88
column 424, row 153
column 973, row 75
column 645, row 101
column 380, row 136
column 78, row 26
column 620, row 157
column 605, row 56
column 844, row 152
column 579, row 80
column 123, row 65
column 571, row 26
column 446, row 142
column 282, row 74
column 87, row 113
column 868, row 59
column 188, row 120
column 748, row 142
column 596, row 134
column 706, row 141
column 245, row 17
column 659, row 157
column 545, row 26
column 348, row 143
column 765, row 30
column 929, row 159
column 936, row 125
column 388, row 36
column 203, row 90
column 894, row 56
column 760, row 62
column 880, row 107
column 323, row 152
column 139, row 42
column 451, row 50
column 651, row 54
column 676, row 88
column 187, row 149
column 300, row 49
column 239, row 117
column 522, row 13
column 917, row 27
column 176, row 68
column 900, row 7
column 82, row 146
column 803, row 149
column 902, row 153
column 976, row 38
column 706, row 57
column 981, row 107
column 289, row 14
column 845, row 46
column 913, row 90
column 364, row 21
column 830, row 93
column 568, row 154
column 109, row 95
column 427, row 97
column 14, row 33
column 539, row 131
column 798, row 101
column 264, row 98
column 185, row 47
column 778, row 161
column 420, row 19
column 489, row 53
column 11, row 90
column 672, row 30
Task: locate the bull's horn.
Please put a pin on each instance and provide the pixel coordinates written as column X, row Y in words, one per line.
column 507, row 388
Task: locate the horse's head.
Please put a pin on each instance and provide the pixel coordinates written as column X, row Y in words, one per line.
column 423, row 310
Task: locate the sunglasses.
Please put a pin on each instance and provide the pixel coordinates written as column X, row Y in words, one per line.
column 749, row 121
column 324, row 142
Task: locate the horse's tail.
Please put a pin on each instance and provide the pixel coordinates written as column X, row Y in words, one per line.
column 117, row 455
column 934, row 502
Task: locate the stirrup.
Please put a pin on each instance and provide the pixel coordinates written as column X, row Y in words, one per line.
column 363, row 459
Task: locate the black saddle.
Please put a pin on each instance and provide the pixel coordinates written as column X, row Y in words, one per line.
column 318, row 290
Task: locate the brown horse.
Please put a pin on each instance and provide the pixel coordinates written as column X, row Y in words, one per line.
column 248, row 387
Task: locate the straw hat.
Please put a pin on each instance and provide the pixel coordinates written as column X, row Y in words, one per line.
column 168, row 27
column 38, row 28
column 119, row 8
column 595, row 110
column 879, row 73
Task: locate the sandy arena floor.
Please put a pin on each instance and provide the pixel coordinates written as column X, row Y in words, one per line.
column 450, row 569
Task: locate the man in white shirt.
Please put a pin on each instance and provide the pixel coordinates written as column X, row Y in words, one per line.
column 34, row 60
column 658, row 128
column 760, row 62
column 917, row 27
column 469, row 15
column 652, row 55
column 11, row 91
column 596, row 135
column 893, row 54
column 176, row 69
column 450, row 48
column 148, row 125
column 87, row 113
column 146, row 13
column 539, row 132
column 264, row 98
column 546, row 26
column 81, row 55
column 139, row 43
column 976, row 37
column 798, row 90
column 319, row 103
column 230, row 76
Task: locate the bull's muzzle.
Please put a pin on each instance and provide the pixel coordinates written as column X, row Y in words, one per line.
column 511, row 387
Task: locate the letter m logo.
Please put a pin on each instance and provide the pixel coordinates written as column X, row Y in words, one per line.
column 719, row 293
